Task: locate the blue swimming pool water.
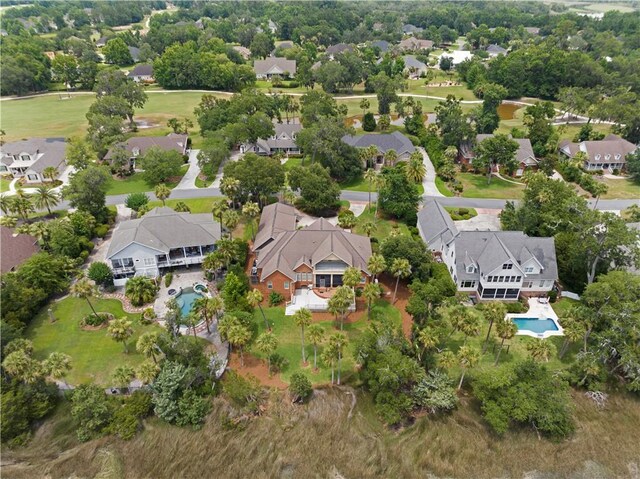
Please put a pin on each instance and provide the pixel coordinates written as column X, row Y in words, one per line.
column 535, row 325
column 185, row 300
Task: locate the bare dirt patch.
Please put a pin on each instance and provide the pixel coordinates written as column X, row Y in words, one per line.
column 256, row 367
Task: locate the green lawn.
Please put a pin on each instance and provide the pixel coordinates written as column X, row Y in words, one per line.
column 51, row 116
column 136, row 184
column 197, row 205
column 289, row 344
column 475, row 186
column 200, row 183
column 418, row 87
column 454, row 210
column 442, row 187
column 292, row 162
column 94, row 355
column 360, row 184
column 4, row 184
column 622, row 189
column 563, row 304
column 384, row 226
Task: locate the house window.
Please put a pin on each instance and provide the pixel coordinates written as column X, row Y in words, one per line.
column 528, row 269
column 468, row 284
column 116, row 263
column 3, row 168
column 269, row 285
column 470, row 269
column 518, row 278
column 507, row 266
column 286, row 285
column 127, row 262
column 33, row 177
column 309, row 276
column 501, row 279
column 527, row 284
column 149, row 262
column 363, row 279
column 25, row 158
column 542, row 282
column 298, row 276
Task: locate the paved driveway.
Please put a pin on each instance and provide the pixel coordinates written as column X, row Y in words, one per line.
column 188, row 181
column 429, row 181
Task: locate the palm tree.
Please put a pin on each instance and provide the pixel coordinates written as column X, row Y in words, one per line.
column 494, row 311
column 598, row 190
column 573, row 330
column 340, row 302
column 45, row 197
column 376, row 265
column 57, row 366
column 220, row 205
column 180, row 207
column 315, row 333
column 255, row 298
column 230, row 187
column 162, row 193
column 468, row 357
column 471, row 324
column 368, row 227
column 50, row 172
column 8, row 221
column 120, row 330
column 506, row 329
column 147, row 345
column 351, row 277
column 302, row 318
column 379, row 183
column 140, row 290
column 39, row 230
column 370, row 176
column 390, row 157
column 191, row 321
column 22, row 205
column 267, row 343
column 428, row 339
column 230, row 220
column 239, row 336
column 212, row 262
column 540, row 350
column 6, row 204
column 415, row 168
column 251, row 210
column 206, row 308
column 371, row 292
column 122, row 376
column 84, row 289
column 447, row 359
column 337, row 342
column 330, row 357
column 400, row 268
column 22, row 366
column 147, row 372
column 226, row 249
column 364, row 105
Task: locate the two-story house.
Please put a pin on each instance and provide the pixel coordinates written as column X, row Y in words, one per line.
column 489, row 264
column 28, row 159
column 607, row 154
column 137, row 146
column 282, row 141
column 524, row 155
column 315, row 257
column 162, row 238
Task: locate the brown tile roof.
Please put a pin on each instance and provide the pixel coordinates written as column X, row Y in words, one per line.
column 611, row 148
column 14, row 250
column 311, row 245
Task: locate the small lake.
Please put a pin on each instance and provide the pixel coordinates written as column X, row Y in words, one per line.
column 507, row 111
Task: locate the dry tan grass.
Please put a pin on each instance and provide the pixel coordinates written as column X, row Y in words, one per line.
column 318, row 441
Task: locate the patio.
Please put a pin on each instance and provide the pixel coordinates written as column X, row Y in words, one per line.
column 306, row 298
column 181, row 280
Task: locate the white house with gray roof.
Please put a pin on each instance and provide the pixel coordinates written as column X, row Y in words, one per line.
column 283, row 140
column 274, row 66
column 28, row 158
column 489, row 264
column 383, row 142
column 607, row 154
column 162, row 238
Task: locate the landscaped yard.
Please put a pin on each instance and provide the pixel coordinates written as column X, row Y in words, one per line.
column 94, row 355
column 621, row 189
column 384, row 226
column 289, row 345
column 4, row 184
column 136, row 184
column 475, row 186
column 196, row 205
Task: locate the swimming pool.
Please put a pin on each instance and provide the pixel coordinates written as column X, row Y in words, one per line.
column 186, row 299
column 535, row 325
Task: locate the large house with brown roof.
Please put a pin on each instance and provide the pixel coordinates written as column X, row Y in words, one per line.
column 304, row 264
column 137, row 146
column 412, row 44
column 608, row 154
column 16, row 249
column 29, row 158
column 524, row 156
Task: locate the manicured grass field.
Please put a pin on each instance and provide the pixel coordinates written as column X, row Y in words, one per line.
column 475, row 186
column 418, row 87
column 4, row 184
column 358, row 184
column 136, row 184
column 563, row 304
column 94, row 355
column 197, row 205
column 289, row 343
column 384, row 227
column 621, row 189
column 442, row 187
column 292, row 162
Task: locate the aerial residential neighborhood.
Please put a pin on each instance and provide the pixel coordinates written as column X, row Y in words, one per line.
column 319, row 239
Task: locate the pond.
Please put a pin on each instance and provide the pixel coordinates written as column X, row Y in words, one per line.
column 507, row 111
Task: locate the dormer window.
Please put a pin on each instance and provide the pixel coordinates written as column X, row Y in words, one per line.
column 471, row 269
column 528, row 269
column 507, row 266
column 598, row 157
column 25, row 158
column 135, row 151
column 617, row 156
column 607, row 157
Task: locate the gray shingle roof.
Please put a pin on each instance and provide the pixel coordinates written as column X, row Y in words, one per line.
column 597, row 151
column 496, row 50
column 141, row 70
column 383, row 45
column 274, row 66
column 163, row 229
column 523, row 153
column 412, row 62
column 436, row 223
column 384, row 142
column 48, row 152
column 311, row 245
column 339, row 48
column 275, row 219
column 490, row 249
column 173, row 141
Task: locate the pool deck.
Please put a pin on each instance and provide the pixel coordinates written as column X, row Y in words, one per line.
column 538, row 310
column 181, row 280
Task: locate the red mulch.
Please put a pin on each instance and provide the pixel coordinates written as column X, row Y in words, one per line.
column 255, row 367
